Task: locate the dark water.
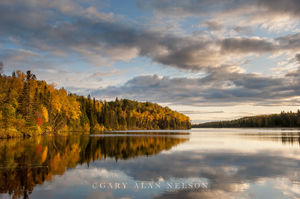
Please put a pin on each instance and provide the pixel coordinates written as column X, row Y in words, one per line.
column 201, row 163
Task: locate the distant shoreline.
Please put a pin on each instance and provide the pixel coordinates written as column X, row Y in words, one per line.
column 282, row 120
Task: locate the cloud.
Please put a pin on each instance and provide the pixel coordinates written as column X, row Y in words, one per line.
column 214, row 25
column 291, row 41
column 46, row 26
column 298, row 57
column 247, row 45
column 291, row 7
column 105, row 41
column 220, row 87
column 243, row 30
column 274, row 16
column 201, row 7
column 177, row 8
column 100, row 75
column 100, row 39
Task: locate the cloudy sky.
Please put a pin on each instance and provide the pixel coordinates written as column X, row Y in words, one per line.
column 212, row 60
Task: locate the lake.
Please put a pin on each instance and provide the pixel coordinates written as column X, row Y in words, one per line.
column 197, row 163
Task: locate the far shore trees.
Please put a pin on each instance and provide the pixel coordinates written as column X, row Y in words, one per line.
column 284, row 119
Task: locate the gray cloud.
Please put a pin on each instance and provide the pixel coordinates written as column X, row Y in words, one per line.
column 41, row 28
column 243, row 30
column 281, row 6
column 179, row 8
column 298, row 57
column 101, row 42
column 291, row 41
column 220, row 86
column 214, row 25
column 202, row 7
column 246, row 45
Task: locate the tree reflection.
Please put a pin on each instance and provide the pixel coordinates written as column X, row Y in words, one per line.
column 290, row 138
column 26, row 163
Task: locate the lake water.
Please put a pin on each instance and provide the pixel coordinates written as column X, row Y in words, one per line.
column 200, row 163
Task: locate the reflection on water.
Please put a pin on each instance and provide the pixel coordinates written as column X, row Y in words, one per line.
column 233, row 163
column 27, row 163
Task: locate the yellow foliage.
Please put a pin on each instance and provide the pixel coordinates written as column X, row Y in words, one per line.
column 44, row 155
column 39, row 130
column 98, row 128
column 45, row 114
column 86, row 127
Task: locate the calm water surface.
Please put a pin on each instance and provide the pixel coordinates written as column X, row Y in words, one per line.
column 201, row 163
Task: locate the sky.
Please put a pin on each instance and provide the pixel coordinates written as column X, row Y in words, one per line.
column 211, row 60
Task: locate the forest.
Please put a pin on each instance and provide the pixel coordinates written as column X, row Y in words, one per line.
column 31, row 107
column 284, row 119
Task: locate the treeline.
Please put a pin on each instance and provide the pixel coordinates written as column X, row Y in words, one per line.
column 29, row 106
column 284, row 119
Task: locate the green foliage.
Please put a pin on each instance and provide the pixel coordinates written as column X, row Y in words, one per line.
column 284, row 119
column 127, row 114
column 29, row 107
